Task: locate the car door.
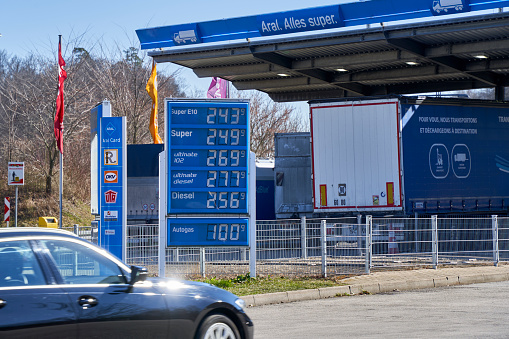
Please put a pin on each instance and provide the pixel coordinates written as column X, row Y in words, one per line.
column 31, row 305
column 106, row 305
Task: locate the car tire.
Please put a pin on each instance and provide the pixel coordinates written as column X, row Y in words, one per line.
column 218, row 326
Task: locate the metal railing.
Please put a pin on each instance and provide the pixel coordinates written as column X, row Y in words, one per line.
column 333, row 247
column 85, row 232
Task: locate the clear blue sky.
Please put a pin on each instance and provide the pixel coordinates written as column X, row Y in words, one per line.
column 34, row 25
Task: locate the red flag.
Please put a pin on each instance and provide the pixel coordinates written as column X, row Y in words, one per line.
column 59, row 115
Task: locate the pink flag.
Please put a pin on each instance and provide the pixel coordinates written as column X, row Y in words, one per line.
column 217, row 88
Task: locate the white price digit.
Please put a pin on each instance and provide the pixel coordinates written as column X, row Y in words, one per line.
column 211, row 179
column 235, row 179
column 223, row 137
column 223, row 116
column 223, row 158
column 234, row 232
column 235, row 116
column 211, row 115
column 211, row 200
column 234, row 158
column 234, row 137
column 211, row 136
column 211, row 157
column 234, row 200
column 223, row 199
column 223, row 232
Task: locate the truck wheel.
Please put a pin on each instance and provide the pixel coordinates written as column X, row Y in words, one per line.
column 218, row 326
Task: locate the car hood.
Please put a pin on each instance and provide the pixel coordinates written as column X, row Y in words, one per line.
column 192, row 288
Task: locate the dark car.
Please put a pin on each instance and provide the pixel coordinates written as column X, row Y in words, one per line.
column 56, row 285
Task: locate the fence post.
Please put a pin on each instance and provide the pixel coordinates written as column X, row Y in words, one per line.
column 494, row 227
column 359, row 234
column 75, row 229
column 369, row 245
column 434, row 241
column 323, row 237
column 202, row 262
column 417, row 235
column 303, row 238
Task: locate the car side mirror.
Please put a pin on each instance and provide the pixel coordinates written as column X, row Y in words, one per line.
column 138, row 273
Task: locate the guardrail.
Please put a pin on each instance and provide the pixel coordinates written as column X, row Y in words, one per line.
column 333, row 247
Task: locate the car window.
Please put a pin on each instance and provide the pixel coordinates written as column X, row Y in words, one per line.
column 18, row 265
column 79, row 264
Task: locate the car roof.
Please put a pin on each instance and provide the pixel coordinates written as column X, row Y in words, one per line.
column 31, row 231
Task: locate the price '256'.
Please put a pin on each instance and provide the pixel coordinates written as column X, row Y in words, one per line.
column 225, row 199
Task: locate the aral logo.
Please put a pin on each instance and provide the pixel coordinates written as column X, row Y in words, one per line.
column 110, row 128
column 111, row 177
column 110, row 197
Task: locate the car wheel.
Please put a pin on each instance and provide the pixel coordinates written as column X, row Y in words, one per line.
column 218, row 326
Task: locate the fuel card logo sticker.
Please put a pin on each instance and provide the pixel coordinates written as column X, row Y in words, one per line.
column 111, row 177
column 110, row 215
column 111, row 157
column 110, row 197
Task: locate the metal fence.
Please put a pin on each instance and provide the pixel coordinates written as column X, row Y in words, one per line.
column 333, row 247
column 85, row 232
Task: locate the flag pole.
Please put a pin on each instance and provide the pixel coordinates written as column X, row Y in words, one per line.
column 61, row 187
column 59, row 122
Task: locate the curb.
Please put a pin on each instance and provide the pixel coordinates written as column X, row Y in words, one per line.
column 372, row 288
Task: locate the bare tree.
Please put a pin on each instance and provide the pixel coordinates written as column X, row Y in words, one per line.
column 123, row 82
column 8, row 109
column 29, row 96
column 267, row 118
column 28, row 90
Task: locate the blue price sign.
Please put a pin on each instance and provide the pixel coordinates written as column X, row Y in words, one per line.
column 208, row 156
column 208, row 232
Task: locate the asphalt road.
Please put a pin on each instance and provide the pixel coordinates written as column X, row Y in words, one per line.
column 471, row 311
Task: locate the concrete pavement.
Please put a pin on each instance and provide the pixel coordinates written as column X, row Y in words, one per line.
column 389, row 281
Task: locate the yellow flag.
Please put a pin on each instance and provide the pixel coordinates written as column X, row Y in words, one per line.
column 152, row 91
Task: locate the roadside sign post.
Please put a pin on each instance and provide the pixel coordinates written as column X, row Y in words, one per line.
column 16, row 177
column 7, row 210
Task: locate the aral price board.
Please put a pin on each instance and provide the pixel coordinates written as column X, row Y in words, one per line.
column 208, row 157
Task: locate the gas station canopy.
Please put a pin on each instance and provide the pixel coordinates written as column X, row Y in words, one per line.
column 350, row 59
